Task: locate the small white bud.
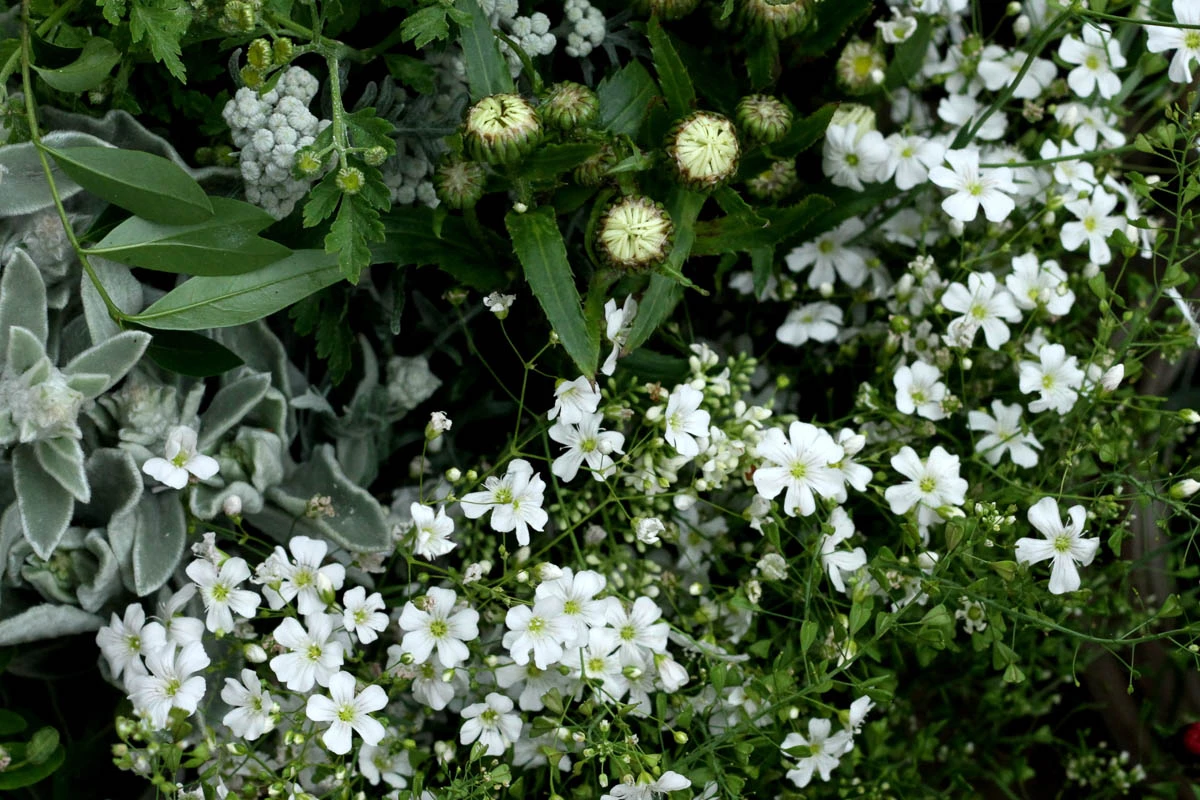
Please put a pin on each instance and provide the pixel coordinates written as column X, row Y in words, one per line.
column 232, row 506
column 1112, row 377
column 1021, row 26
column 1185, row 488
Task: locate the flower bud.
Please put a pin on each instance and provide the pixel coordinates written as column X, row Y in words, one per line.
column 680, row 737
column 764, row 118
column 775, row 183
column 704, row 150
column 668, row 9
column 439, row 423
column 570, row 105
column 635, row 234
column 648, row 530
column 259, row 55
column 1112, row 377
column 375, row 156
column 307, row 162
column 1185, row 489
column 781, row 19
column 350, row 180
column 502, row 129
column 251, row 77
column 281, row 51
column 454, row 474
column 856, row 67
column 232, row 506
column 459, row 184
column 593, row 171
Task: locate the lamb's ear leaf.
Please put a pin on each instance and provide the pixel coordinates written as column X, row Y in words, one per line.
column 47, row 621
column 229, row 405
column 113, row 357
column 46, row 507
column 159, row 535
column 62, row 458
column 144, row 184
column 22, row 299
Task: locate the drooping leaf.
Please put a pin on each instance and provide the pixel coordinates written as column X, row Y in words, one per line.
column 230, row 405
column 22, row 300
column 188, row 353
column 160, row 532
column 45, row 505
column 93, row 66
column 487, row 70
column 672, row 75
column 25, row 187
column 223, row 301
column 113, row 357
column 412, row 238
column 625, row 98
column 46, row 621
column 62, row 458
column 357, row 225
column 543, row 255
column 144, row 184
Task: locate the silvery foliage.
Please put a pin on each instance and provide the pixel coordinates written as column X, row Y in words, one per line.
column 81, row 409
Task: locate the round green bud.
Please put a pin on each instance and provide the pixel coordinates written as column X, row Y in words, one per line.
column 703, row 148
column 459, row 184
column 764, row 118
column 502, row 129
column 774, row 183
column 374, row 156
column 668, row 9
column 635, row 234
column 282, row 51
column 350, row 180
column 307, row 162
column 259, row 54
column 860, row 67
column 593, row 171
column 251, row 77
column 570, row 105
column 780, row 19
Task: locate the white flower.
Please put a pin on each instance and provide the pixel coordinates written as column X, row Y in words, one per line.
column 124, row 642
column 499, row 304
column 640, row 632
column 306, row 580
column 218, row 590
column 818, row 321
column 1073, row 175
column 669, row 781
column 919, row 389
column 835, row 562
column 1088, row 124
column 973, row 615
column 1112, row 377
column 824, row 751
column 685, row 421
column 576, row 593
column 514, row 500
column 376, row 762
column 540, row 630
column 982, row 304
column 830, row 252
column 364, row 615
column 897, row 29
column 932, row 484
column 575, row 400
column 180, row 629
column 853, row 473
column 598, row 662
column 1002, row 69
column 852, row 156
column 181, row 460
column 437, row 625
column 1096, row 56
column 910, row 158
column 1185, row 43
column 1003, row 435
column 802, row 463
column 618, row 322
column 648, row 529
column 346, row 711
column 1035, row 285
column 492, row 723
column 313, row 655
column 253, row 710
column 585, row 442
column 858, row 714
column 1062, row 543
column 1056, row 379
column 431, row 533
column 964, row 111
column 974, row 187
column 439, row 423
column 1094, row 225
column 170, row 683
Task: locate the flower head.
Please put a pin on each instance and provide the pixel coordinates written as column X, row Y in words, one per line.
column 502, row 129
column 514, row 500
column 1062, row 543
column 635, row 233
column 346, row 711
column 182, row 460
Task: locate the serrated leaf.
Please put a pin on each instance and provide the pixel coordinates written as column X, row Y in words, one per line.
column 487, row 69
column 224, row 301
column 62, row 459
column 160, row 532
column 625, row 97
column 543, row 255
column 162, row 27
column 412, row 72
column 188, row 353
column 226, row 244
column 229, row 405
column 672, row 75
column 749, row 230
column 413, row 238
column 368, row 130
column 555, row 159
column 45, row 506
column 425, row 26
column 357, row 224
column 322, row 201
column 95, row 62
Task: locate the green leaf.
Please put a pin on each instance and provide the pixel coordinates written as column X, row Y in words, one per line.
column 543, row 255
column 414, row 238
column 676, row 85
column 42, row 745
column 368, row 130
column 147, row 185
column 487, row 69
column 322, row 200
column 909, row 56
column 224, row 301
column 11, row 722
column 424, row 26
column 187, row 353
column 625, row 97
column 412, row 72
column 113, row 357
column 357, row 224
column 62, row 458
column 555, row 159
column 833, row 19
column 230, row 405
column 162, row 27
column 22, row 300
column 805, row 132
column 46, row 621
column 95, row 62
column 226, row 244
column 762, row 264
column 45, row 506
column 160, row 532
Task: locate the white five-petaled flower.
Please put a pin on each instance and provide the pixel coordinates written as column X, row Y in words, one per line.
column 576, row 593
column 1002, row 434
column 669, row 781
column 585, row 442
column 1056, row 379
column 170, row 683
column 973, row 187
column 499, row 304
column 182, row 460
column 852, row 156
column 492, row 723
column 803, row 463
column 435, row 624
column 685, row 420
column 831, row 252
column 431, row 532
column 1096, row 57
column 838, row 563
column 1062, row 543
column 313, row 656
column 363, row 614
column 346, row 712
column 919, row 390
column 1035, row 284
column 540, row 630
column 910, row 159
column 1094, row 224
column 640, row 630
column 932, row 484
column 575, row 401
column 982, row 304
column 825, row 751
column 818, row 321
column 124, row 642
column 306, row 580
column 514, row 500
column 253, row 710
column 1185, row 42
column 220, row 593
column 618, row 322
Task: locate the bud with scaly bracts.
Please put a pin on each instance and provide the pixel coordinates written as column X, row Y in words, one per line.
column 668, row 9
column 502, row 129
column 570, row 105
column 459, row 184
column 704, row 150
column 635, row 234
column 593, row 171
column 764, row 118
column 780, row 19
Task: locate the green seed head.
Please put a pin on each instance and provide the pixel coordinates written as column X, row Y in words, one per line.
column 635, row 234
column 569, row 106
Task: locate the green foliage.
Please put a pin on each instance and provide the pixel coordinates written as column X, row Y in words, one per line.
column 92, row 68
column 324, row 315
column 162, row 24
column 487, row 70
column 625, row 98
column 144, row 184
column 432, row 23
column 189, row 353
column 672, row 75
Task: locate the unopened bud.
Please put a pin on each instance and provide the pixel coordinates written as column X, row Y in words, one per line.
column 232, row 506
column 1185, row 489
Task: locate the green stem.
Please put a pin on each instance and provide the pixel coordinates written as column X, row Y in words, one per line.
column 330, row 48
column 1084, row 156
column 31, row 115
column 47, row 25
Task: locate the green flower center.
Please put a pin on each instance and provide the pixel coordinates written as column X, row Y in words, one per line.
column 438, row 628
column 1062, row 543
column 927, row 485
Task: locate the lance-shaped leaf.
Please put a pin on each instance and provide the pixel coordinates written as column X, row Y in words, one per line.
column 22, row 300
column 46, row 507
column 226, row 300
column 540, row 249
column 160, row 532
column 62, row 458
column 95, row 62
column 145, row 184
column 25, row 188
column 487, row 70
column 113, row 357
column 555, row 159
column 229, row 405
column 225, row 244
column 677, row 86
column 625, row 97
column 47, row 621
column 189, row 353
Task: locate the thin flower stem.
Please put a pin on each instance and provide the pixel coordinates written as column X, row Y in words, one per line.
column 1084, row 156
